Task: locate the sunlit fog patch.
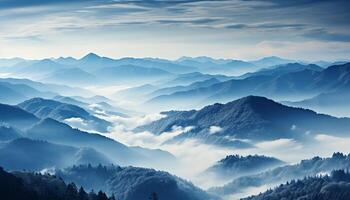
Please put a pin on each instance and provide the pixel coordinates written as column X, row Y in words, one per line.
column 77, row 122
column 131, row 123
column 215, row 129
column 331, row 144
column 279, row 144
column 145, row 139
column 194, row 157
column 107, row 90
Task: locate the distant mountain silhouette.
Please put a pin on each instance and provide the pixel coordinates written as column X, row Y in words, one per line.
column 120, row 74
column 310, row 167
column 40, row 68
column 255, row 118
column 290, row 85
column 190, row 78
column 336, row 102
column 218, row 66
column 35, row 155
column 72, row 76
column 13, row 93
column 195, row 85
column 56, row 132
column 45, row 108
column 8, row 62
column 135, row 92
column 8, row 133
column 47, row 87
column 271, row 61
column 16, row 117
column 282, row 69
column 162, row 64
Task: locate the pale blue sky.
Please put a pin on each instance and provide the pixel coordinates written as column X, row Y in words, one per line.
column 241, row 29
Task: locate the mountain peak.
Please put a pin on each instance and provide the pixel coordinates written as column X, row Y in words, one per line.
column 90, row 56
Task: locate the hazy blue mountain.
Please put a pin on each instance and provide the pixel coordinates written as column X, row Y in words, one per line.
column 66, row 60
column 218, row 66
column 326, row 64
column 40, row 69
column 282, row 69
column 36, row 186
column 56, row 132
column 189, row 78
column 10, row 96
column 14, row 93
column 70, row 100
column 95, row 104
column 46, row 87
column 234, row 166
column 271, row 61
column 336, row 187
column 166, row 65
column 106, row 109
column 311, row 167
column 16, row 117
column 35, row 155
column 75, row 76
column 335, row 102
column 45, row 108
column 123, row 73
column 135, row 92
column 131, row 183
column 201, row 59
column 292, row 85
column 8, row 133
column 252, row 117
column 195, row 85
column 8, row 62
column 92, row 62
column 333, row 77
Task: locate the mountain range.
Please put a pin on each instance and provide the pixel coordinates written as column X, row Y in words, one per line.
column 253, row 117
column 296, row 84
column 57, row 132
column 45, row 108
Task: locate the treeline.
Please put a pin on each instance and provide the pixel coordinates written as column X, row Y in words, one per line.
column 34, row 186
column 335, row 187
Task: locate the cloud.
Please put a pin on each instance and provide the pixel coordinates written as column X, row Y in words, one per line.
column 324, row 35
column 132, row 122
column 77, row 122
column 267, row 26
column 202, row 21
column 215, row 129
column 332, row 143
column 278, row 144
column 220, row 28
column 144, row 139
